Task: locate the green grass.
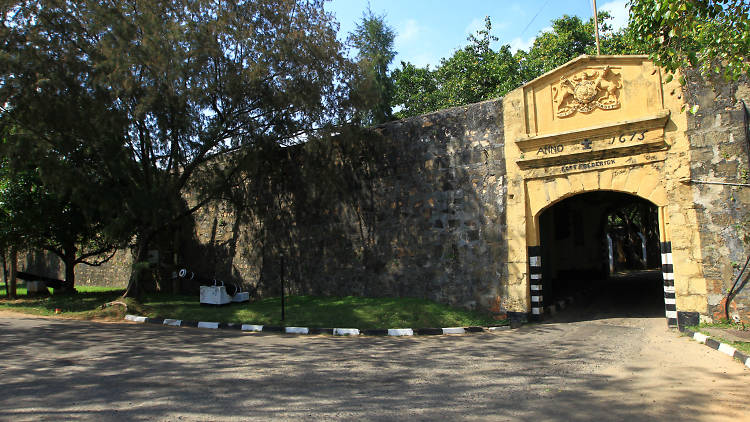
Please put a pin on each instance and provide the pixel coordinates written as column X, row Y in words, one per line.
column 311, row 311
column 307, row 311
column 80, row 306
column 742, row 346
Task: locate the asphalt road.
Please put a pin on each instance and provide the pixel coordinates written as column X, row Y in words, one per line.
column 583, row 365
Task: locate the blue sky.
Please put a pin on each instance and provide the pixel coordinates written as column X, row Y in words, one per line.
column 428, row 30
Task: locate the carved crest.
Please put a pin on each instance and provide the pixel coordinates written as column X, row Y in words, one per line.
column 586, row 91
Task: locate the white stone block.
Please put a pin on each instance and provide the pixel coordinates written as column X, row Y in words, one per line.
column 241, row 297
column 135, row 318
column 296, row 330
column 213, row 325
column 700, row 337
column 250, row 327
column 173, row 322
column 214, row 295
column 500, row 328
column 454, row 330
column 400, row 332
column 345, row 332
column 727, row 349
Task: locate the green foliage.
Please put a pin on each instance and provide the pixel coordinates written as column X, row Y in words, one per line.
column 474, row 73
column 416, row 90
column 569, row 38
column 477, row 72
column 711, row 34
column 132, row 102
column 34, row 217
column 373, row 39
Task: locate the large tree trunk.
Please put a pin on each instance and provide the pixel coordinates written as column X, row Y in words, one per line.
column 13, row 270
column 70, row 275
column 140, row 267
column 5, row 274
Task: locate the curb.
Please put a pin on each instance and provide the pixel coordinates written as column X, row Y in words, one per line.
column 716, row 345
column 392, row 332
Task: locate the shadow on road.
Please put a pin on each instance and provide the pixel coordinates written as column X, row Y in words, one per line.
column 636, row 294
column 66, row 370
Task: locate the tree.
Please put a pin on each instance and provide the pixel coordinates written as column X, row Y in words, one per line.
column 416, row 90
column 373, row 39
column 33, row 217
column 713, row 35
column 473, row 73
column 138, row 103
column 477, row 72
column 569, row 38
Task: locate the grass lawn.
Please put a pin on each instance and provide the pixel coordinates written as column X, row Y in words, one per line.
column 307, row 311
column 83, row 306
column 311, row 311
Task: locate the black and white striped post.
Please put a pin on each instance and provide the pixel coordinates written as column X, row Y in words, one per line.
column 535, row 282
column 667, row 269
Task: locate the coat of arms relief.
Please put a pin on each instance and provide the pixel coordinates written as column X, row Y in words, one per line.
column 586, row 91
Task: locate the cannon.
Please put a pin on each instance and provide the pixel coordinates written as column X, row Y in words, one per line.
column 215, row 292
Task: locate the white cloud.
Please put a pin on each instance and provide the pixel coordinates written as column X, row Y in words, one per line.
column 519, row 43
column 424, row 59
column 517, row 9
column 408, row 31
column 475, row 25
column 619, row 11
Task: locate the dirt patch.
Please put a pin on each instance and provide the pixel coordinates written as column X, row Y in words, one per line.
column 13, row 314
column 729, row 334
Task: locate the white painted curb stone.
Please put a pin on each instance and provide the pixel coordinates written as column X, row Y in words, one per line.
column 454, row 330
column 135, row 318
column 213, row 325
column 500, row 328
column 250, row 327
column 296, row 330
column 700, row 338
column 173, row 322
column 345, row 332
column 400, row 332
column 727, row 349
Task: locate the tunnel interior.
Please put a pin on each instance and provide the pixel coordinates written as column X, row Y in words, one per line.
column 606, row 244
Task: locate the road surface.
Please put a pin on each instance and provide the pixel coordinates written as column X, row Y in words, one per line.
column 593, row 368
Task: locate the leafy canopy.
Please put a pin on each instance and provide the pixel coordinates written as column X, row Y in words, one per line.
column 477, row 72
column 373, row 39
column 131, row 102
column 713, row 35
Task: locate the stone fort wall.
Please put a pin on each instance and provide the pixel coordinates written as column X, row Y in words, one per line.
column 431, row 226
column 718, row 135
column 432, row 222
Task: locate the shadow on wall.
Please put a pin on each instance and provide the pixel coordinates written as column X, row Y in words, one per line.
column 413, row 208
column 43, row 263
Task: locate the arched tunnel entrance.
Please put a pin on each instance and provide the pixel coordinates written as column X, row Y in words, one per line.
column 604, row 244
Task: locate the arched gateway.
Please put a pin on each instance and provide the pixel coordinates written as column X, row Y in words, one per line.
column 598, row 124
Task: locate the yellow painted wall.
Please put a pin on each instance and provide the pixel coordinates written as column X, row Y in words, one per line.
column 630, row 138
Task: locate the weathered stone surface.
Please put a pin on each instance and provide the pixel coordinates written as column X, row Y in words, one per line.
column 719, row 140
